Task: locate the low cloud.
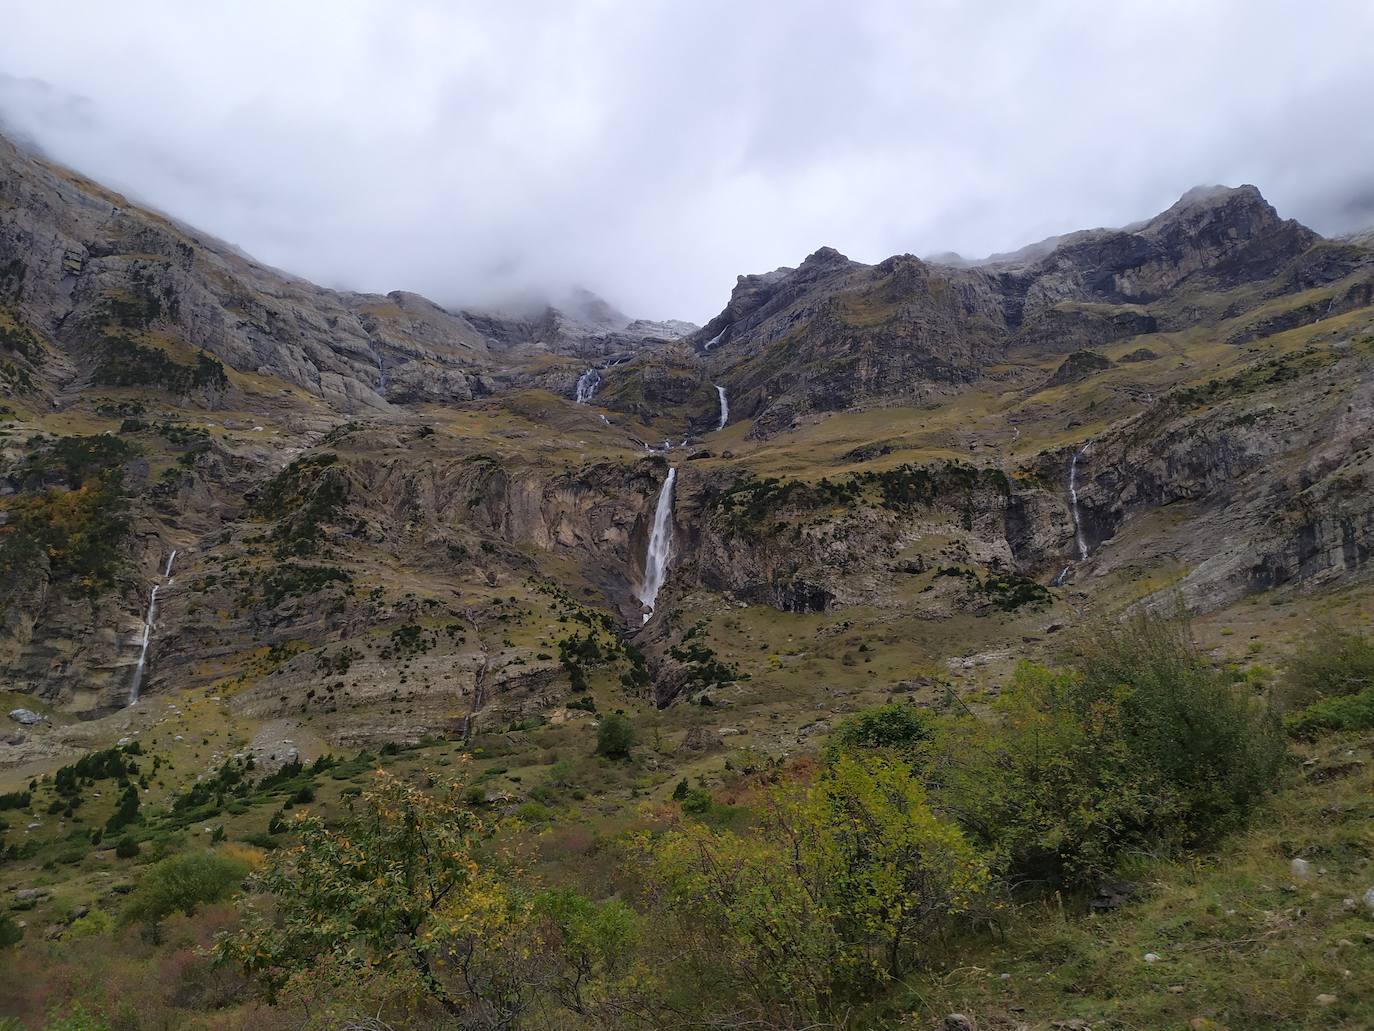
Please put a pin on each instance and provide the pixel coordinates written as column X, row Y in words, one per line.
column 653, row 151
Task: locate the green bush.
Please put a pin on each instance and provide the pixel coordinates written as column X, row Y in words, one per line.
column 182, row 884
column 1333, row 663
column 1349, row 712
column 896, row 726
column 1140, row 747
column 845, row 885
column 1218, row 748
column 696, row 801
column 10, row 932
column 615, row 737
column 127, row 847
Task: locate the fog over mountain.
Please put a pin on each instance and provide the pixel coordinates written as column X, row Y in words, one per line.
column 652, row 152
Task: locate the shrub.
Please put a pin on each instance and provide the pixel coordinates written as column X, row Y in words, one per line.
column 93, row 924
column 1141, row 746
column 1218, row 748
column 10, row 932
column 182, row 884
column 533, row 812
column 1052, row 794
column 1347, row 712
column 696, row 801
column 615, row 737
column 1333, row 663
column 896, row 726
column 845, row 884
column 127, row 847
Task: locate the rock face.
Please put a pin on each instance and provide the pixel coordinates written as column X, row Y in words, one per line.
column 833, row 333
column 365, row 492
column 98, row 276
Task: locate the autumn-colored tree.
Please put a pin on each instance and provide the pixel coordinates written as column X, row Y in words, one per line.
column 845, row 883
column 400, row 895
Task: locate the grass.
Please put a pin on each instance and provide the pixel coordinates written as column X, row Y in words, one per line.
column 1241, row 942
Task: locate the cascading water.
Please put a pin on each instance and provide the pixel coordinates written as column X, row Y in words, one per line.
column 1073, row 503
column 148, row 621
column 724, row 408
column 381, row 374
column 660, row 549
column 587, row 385
column 1079, row 539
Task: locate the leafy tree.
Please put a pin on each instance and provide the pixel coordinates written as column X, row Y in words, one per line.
column 615, row 737
column 845, row 883
column 589, row 947
column 398, row 891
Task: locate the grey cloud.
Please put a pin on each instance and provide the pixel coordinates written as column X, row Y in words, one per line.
column 652, row 151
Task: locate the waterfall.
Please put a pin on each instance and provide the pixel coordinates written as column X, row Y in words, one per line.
column 587, row 385
column 143, row 648
column 660, row 549
column 714, row 340
column 1073, row 504
column 724, row 408
column 381, row 377
column 148, row 621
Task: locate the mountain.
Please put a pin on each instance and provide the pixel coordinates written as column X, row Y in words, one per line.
column 248, row 522
column 1212, row 360
column 833, row 333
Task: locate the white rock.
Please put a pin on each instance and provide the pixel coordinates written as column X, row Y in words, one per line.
column 1150, row 957
column 1369, row 900
column 25, row 716
column 1301, row 869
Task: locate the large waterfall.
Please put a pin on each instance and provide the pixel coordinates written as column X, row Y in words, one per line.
column 660, row 550
column 587, row 385
column 148, row 621
column 724, row 408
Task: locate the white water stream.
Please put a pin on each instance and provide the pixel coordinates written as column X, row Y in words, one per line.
column 660, row 550
column 587, row 385
column 148, row 621
column 724, row 408
column 1073, row 502
column 1079, row 539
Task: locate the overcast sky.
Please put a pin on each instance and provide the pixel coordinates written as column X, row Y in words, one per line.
column 651, row 151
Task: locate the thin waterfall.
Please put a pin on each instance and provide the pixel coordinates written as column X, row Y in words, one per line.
column 1073, row 503
column 587, row 385
column 137, row 683
column 1078, row 537
column 724, row 408
column 381, row 376
column 660, row 550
